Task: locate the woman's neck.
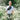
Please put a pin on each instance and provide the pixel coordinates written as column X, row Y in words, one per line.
column 9, row 5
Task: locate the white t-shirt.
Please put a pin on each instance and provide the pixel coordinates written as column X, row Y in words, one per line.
column 9, row 11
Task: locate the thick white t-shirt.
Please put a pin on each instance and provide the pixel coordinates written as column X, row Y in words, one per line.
column 9, row 11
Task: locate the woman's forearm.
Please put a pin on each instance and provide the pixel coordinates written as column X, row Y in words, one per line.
column 12, row 12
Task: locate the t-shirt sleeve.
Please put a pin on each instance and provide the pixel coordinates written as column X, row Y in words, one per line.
column 13, row 8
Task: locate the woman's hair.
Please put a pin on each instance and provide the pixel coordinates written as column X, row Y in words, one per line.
column 11, row 1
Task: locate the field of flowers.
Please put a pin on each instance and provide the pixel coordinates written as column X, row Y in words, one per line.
column 16, row 15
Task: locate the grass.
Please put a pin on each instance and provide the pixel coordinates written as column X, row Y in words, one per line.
column 3, row 17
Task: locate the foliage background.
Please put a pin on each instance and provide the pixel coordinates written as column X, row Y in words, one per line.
column 15, row 3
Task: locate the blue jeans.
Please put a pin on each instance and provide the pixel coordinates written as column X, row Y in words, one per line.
column 9, row 15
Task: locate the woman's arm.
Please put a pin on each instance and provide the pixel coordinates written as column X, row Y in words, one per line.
column 12, row 12
column 5, row 14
